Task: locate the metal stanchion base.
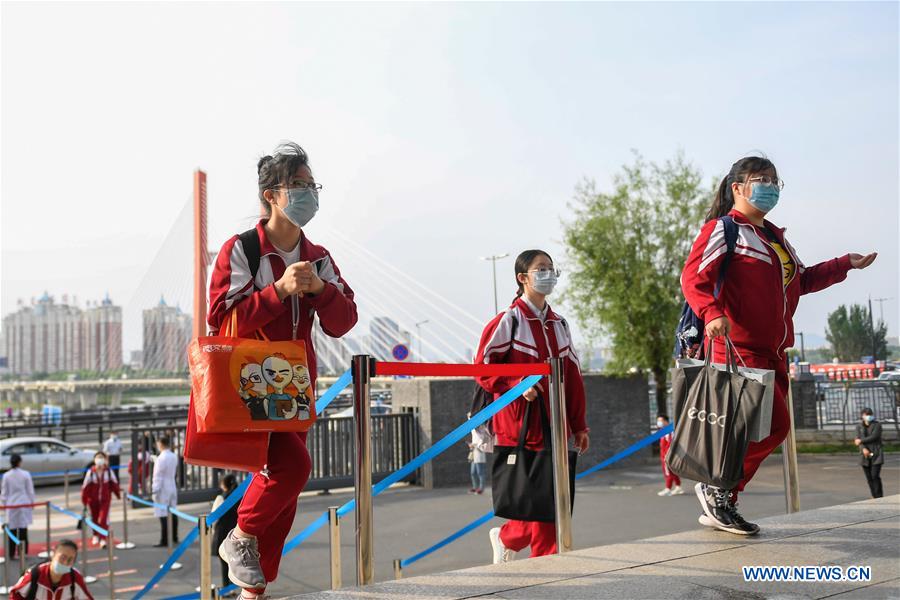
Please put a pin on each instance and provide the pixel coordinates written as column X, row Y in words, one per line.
column 125, row 545
column 44, row 554
column 90, row 579
column 175, row 566
column 4, row 590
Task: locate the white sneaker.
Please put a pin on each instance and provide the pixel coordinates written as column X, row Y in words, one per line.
column 677, row 491
column 502, row 554
column 664, row 492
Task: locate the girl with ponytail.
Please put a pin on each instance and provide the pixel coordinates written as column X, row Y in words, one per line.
column 755, row 305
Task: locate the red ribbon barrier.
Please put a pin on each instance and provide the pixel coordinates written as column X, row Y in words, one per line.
column 457, row 370
column 24, row 505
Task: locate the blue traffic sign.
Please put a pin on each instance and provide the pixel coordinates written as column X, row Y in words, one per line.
column 400, row 352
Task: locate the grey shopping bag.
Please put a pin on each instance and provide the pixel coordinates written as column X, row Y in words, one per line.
column 711, row 428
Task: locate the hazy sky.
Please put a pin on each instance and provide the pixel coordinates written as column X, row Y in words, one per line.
column 442, row 132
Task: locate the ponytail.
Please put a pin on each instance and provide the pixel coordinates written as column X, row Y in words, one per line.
column 723, row 201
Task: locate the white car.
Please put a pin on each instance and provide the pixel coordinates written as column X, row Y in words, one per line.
column 889, row 376
column 46, row 455
column 375, row 408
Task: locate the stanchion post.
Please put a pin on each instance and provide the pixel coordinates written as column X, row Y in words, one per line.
column 47, row 553
column 66, row 486
column 84, row 547
column 398, row 569
column 21, row 547
column 205, row 560
column 110, row 558
column 362, row 370
column 334, row 541
column 789, row 456
column 5, row 568
column 125, row 544
column 560, row 452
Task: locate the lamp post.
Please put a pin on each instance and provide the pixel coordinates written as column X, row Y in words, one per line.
column 494, row 258
column 419, row 336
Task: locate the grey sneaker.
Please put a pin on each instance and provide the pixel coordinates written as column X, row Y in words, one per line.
column 242, row 557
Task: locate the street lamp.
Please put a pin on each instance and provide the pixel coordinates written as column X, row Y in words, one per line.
column 494, row 260
column 419, row 335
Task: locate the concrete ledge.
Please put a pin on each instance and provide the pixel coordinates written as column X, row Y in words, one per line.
column 696, row 564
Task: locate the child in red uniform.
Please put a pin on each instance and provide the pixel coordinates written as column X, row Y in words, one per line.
column 755, row 306
column 530, row 332
column 54, row 580
column 673, row 483
column 295, row 280
column 97, row 491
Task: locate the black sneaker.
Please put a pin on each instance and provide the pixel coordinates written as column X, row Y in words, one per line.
column 722, row 514
column 746, row 528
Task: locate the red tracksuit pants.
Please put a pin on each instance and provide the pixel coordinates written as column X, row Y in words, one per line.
column 671, row 478
column 267, row 509
column 100, row 515
column 517, row 535
column 781, row 420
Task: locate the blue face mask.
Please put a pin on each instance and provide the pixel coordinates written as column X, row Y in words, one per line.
column 60, row 569
column 868, row 418
column 764, row 197
column 303, row 204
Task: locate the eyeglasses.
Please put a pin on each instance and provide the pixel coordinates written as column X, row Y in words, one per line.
column 766, row 180
column 302, row 185
column 545, row 272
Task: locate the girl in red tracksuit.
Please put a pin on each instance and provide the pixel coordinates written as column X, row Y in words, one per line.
column 295, row 281
column 673, row 482
column 97, row 491
column 755, row 306
column 530, row 332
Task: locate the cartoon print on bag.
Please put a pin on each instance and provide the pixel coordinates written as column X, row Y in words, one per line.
column 254, row 390
column 278, row 374
column 298, row 388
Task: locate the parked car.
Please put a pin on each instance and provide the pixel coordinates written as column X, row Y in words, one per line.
column 889, row 376
column 46, row 455
column 375, row 408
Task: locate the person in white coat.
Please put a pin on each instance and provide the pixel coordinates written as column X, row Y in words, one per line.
column 165, row 490
column 17, row 488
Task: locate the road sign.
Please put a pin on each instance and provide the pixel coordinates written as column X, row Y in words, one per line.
column 400, row 352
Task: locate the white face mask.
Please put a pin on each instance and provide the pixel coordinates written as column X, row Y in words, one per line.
column 544, row 281
column 60, row 569
column 660, row 424
column 100, row 462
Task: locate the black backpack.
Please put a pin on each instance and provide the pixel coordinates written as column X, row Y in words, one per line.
column 690, row 331
column 250, row 242
column 480, row 396
column 33, row 588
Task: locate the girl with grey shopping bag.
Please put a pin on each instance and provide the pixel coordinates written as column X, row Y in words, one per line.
column 755, row 303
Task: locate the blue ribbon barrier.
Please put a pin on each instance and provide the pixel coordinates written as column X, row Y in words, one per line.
column 78, row 517
column 11, row 535
column 167, row 566
column 70, row 472
column 233, row 498
column 643, row 443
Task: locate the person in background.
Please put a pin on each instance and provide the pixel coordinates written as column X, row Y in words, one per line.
column 165, row 489
column 57, row 579
column 868, row 439
column 480, row 446
column 112, row 447
column 17, row 488
column 673, row 483
column 224, row 525
column 97, row 491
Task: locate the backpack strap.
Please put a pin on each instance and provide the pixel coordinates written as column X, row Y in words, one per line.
column 731, row 235
column 33, row 588
column 250, row 242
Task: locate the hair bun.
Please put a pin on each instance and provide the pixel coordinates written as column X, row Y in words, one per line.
column 262, row 162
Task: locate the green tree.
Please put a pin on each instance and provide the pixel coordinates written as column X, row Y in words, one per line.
column 850, row 334
column 626, row 249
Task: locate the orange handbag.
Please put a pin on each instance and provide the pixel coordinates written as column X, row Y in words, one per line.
column 237, row 451
column 250, row 385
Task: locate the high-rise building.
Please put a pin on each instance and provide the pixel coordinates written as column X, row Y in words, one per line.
column 46, row 337
column 167, row 333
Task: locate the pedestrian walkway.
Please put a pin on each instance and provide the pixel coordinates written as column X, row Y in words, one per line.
column 696, row 564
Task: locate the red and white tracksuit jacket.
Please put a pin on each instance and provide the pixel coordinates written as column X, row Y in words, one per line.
column 671, row 478
column 96, row 494
column 267, row 510
column 45, row 589
column 534, row 342
column 759, row 305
